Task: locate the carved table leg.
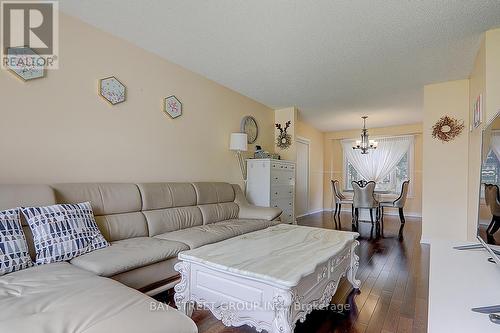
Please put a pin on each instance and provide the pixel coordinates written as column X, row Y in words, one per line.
column 351, row 274
column 282, row 302
column 181, row 297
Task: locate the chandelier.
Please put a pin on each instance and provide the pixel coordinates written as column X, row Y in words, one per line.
column 365, row 144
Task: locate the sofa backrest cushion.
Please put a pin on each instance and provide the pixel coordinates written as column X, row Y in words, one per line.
column 169, row 206
column 219, row 212
column 116, row 206
column 171, row 219
column 167, row 195
column 216, row 201
column 12, row 196
column 212, row 192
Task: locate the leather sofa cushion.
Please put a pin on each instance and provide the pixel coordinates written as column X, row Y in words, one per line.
column 105, row 198
column 128, row 254
column 171, row 219
column 201, row 235
column 61, row 298
column 245, row 226
column 122, row 226
column 13, row 196
column 219, row 212
column 212, row 192
column 166, row 195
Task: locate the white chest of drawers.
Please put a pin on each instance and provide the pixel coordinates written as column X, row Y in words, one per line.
column 271, row 183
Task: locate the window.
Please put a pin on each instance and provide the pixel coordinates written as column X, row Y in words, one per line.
column 392, row 183
column 490, row 171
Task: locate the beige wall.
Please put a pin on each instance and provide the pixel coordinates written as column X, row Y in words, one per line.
column 315, row 138
column 334, row 162
column 492, row 38
column 445, row 165
column 57, row 129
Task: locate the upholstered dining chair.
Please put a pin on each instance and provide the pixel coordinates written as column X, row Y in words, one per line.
column 492, row 198
column 339, row 199
column 364, row 197
column 361, row 182
column 399, row 203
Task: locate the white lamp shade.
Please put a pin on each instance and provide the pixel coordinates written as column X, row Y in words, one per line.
column 238, row 142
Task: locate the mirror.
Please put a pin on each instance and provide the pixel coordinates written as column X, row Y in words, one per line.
column 488, row 228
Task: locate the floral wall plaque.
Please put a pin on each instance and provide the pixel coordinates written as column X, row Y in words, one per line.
column 112, row 90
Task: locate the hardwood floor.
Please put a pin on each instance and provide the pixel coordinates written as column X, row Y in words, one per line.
column 393, row 298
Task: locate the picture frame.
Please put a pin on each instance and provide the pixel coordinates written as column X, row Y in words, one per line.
column 31, row 70
column 477, row 112
column 172, row 106
column 112, row 90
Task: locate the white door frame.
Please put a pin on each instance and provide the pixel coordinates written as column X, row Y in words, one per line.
column 308, row 143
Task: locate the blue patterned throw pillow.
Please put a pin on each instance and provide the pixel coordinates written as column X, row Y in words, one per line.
column 63, row 232
column 14, row 254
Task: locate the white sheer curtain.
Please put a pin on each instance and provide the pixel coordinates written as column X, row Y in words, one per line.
column 378, row 163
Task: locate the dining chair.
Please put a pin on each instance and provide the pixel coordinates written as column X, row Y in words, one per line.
column 339, row 198
column 399, row 203
column 364, row 197
column 492, row 198
column 361, row 182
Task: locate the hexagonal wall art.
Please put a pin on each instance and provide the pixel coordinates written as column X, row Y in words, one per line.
column 112, row 90
column 173, row 107
column 25, row 63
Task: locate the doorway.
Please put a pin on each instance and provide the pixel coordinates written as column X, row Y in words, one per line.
column 302, row 177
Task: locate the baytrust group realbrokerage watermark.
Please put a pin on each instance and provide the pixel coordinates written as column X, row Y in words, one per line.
column 29, row 36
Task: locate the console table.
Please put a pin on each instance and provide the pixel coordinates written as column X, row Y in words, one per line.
column 459, row 281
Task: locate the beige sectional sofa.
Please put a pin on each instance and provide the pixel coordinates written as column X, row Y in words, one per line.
column 147, row 225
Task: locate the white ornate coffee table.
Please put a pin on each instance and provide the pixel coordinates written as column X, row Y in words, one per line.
column 267, row 279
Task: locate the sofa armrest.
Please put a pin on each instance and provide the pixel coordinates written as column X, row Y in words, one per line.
column 248, row 211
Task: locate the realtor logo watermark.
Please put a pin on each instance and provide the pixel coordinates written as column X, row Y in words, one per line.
column 30, row 34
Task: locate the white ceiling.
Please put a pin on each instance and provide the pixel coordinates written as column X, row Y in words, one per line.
column 334, row 59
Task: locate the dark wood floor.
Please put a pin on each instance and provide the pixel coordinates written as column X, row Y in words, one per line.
column 393, row 298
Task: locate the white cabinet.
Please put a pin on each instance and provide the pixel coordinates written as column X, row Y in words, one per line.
column 271, row 183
